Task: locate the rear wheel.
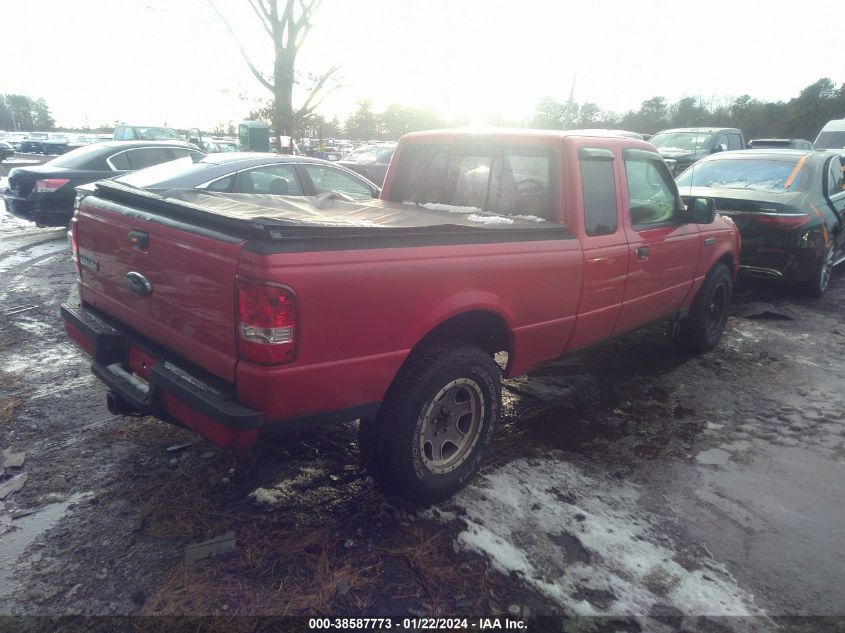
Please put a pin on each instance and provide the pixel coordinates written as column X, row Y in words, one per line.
column 820, row 280
column 702, row 329
column 435, row 423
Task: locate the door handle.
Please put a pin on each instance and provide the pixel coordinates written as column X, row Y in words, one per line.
column 140, row 239
column 642, row 252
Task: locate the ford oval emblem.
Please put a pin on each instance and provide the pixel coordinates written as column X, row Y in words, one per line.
column 138, row 283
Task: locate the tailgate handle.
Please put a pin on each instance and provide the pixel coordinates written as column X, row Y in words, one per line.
column 139, row 238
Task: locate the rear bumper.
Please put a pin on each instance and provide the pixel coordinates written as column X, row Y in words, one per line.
column 45, row 211
column 167, row 390
column 789, row 264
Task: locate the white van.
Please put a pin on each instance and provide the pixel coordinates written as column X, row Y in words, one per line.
column 832, row 136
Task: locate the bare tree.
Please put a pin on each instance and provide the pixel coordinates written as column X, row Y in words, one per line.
column 288, row 27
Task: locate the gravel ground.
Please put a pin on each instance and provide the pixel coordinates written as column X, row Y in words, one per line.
column 629, row 488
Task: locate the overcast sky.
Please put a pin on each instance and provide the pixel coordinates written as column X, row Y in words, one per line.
column 157, row 61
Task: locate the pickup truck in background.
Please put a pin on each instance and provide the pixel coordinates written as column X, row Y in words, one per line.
column 233, row 313
column 681, row 147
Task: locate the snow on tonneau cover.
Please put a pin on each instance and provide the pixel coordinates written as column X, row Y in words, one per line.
column 185, row 244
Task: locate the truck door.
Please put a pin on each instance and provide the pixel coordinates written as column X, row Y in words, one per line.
column 596, row 192
column 663, row 247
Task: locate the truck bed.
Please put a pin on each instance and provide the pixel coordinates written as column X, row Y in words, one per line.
column 271, row 223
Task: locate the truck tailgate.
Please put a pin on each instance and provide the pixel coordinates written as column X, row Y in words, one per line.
column 169, row 281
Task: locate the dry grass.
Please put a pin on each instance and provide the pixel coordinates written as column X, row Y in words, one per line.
column 281, row 572
column 8, row 407
column 333, row 544
column 8, row 381
column 284, row 568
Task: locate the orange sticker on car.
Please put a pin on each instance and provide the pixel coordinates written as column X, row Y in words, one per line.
column 795, row 171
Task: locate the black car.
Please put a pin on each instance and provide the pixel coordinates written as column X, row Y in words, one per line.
column 370, row 162
column 249, row 172
column 788, row 206
column 780, row 143
column 45, row 193
column 681, row 147
column 6, row 150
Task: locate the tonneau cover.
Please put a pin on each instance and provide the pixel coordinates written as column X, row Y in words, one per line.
column 327, row 210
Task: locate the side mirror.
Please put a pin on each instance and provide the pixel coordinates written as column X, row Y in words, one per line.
column 721, row 147
column 702, row 210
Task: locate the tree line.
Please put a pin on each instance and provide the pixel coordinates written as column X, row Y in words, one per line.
column 19, row 113
column 800, row 117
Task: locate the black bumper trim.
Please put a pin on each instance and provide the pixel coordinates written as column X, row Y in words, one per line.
column 111, row 345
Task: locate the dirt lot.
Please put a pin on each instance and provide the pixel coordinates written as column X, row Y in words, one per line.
column 660, row 492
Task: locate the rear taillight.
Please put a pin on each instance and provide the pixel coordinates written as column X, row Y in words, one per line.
column 266, row 322
column 784, row 221
column 74, row 246
column 49, row 185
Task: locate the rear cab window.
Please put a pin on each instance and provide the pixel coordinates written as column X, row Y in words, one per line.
column 499, row 180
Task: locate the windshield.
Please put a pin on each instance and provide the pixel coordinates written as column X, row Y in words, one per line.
column 772, row 176
column 157, row 174
column 682, row 141
column 831, row 140
column 369, row 155
column 157, row 134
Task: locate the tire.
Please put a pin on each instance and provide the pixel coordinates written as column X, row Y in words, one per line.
column 702, row 329
column 435, row 423
column 816, row 285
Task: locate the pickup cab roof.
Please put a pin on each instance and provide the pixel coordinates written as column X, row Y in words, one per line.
column 510, row 135
column 707, row 130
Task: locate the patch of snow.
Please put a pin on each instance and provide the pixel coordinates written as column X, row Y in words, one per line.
column 449, row 208
column 774, row 185
column 570, row 535
column 46, row 361
column 489, row 219
column 474, row 213
column 34, row 326
column 271, row 497
column 21, row 257
column 713, row 457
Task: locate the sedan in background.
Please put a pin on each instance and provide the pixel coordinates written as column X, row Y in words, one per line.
column 45, row 193
column 249, row 172
column 788, row 206
column 780, row 143
column 370, row 162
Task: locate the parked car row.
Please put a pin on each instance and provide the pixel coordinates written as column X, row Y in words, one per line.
column 46, row 194
column 787, row 203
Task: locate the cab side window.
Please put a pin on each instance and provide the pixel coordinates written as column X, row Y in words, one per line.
column 651, row 195
column 598, row 186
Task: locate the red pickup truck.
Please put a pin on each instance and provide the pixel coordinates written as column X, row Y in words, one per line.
column 229, row 313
